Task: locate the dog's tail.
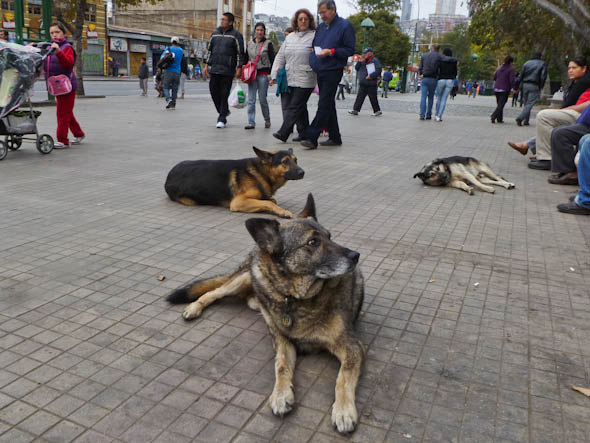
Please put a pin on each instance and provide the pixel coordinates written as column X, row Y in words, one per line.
column 194, row 290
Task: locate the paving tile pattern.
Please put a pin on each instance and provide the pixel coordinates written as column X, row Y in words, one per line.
column 476, row 316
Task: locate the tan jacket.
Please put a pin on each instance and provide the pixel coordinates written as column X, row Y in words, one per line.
column 294, row 57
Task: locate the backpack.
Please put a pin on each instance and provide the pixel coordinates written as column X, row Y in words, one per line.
column 166, row 60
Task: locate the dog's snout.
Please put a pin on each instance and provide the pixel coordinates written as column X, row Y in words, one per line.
column 352, row 255
column 300, row 173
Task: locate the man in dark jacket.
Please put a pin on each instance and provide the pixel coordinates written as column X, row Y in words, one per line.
column 332, row 45
column 428, row 71
column 143, row 77
column 387, row 77
column 225, row 58
column 369, row 71
column 532, row 80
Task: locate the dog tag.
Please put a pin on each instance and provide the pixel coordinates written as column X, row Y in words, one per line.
column 286, row 320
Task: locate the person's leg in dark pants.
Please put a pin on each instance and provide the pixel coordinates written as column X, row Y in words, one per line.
column 340, row 92
column 564, row 139
column 220, row 87
column 360, row 98
column 326, row 113
column 498, row 114
column 215, row 83
column 372, row 93
column 302, row 123
column 296, row 108
column 285, row 100
column 174, row 82
column 431, row 90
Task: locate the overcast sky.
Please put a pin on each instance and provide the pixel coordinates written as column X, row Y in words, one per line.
column 288, row 7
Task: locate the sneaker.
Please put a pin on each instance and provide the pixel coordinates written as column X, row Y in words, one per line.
column 60, row 145
column 78, row 140
column 169, row 105
column 353, row 112
column 377, row 114
column 429, row 118
column 573, row 208
column 437, row 118
column 220, row 125
column 249, row 127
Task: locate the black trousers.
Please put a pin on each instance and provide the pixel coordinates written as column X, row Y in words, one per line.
column 220, row 87
column 340, row 92
column 564, row 139
column 501, row 99
column 326, row 114
column 363, row 91
column 295, row 111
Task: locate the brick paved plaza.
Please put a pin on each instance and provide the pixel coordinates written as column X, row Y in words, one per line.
column 477, row 308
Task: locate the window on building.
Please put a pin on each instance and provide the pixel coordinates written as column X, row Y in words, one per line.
column 7, row 5
column 34, row 8
column 90, row 15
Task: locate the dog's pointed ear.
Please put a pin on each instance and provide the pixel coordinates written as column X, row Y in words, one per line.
column 265, row 233
column 262, row 155
column 420, row 175
column 309, row 210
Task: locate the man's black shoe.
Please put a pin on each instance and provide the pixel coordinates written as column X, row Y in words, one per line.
column 279, row 137
column 572, row 208
column 519, row 122
column 169, row 105
column 429, row 118
column 543, row 165
column 330, row 142
column 525, row 123
column 297, row 139
column 308, row 144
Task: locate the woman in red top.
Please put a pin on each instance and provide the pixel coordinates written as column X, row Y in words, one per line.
column 62, row 62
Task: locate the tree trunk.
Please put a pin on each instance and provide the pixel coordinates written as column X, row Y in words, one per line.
column 77, row 37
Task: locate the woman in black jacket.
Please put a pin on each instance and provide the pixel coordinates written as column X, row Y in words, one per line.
column 447, row 72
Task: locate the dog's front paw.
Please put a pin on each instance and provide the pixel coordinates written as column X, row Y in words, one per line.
column 489, row 189
column 470, row 191
column 192, row 311
column 510, row 186
column 344, row 417
column 281, row 402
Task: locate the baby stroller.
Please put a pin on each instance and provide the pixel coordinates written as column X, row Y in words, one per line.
column 20, row 66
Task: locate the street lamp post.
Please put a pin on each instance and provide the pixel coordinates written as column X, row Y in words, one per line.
column 366, row 24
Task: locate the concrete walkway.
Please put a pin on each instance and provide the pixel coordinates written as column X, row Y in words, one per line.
column 477, row 314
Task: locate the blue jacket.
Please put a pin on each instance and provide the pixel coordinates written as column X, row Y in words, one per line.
column 338, row 35
column 387, row 76
column 361, row 67
column 178, row 55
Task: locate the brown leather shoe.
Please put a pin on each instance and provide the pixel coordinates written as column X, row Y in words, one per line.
column 522, row 148
column 565, row 179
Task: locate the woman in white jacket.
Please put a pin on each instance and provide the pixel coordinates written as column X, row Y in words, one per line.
column 294, row 57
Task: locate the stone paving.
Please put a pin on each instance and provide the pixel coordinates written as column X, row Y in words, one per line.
column 476, row 316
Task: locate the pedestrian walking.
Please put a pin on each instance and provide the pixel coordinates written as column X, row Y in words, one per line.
column 116, row 66
column 342, row 86
column 184, row 72
column 468, row 87
column 429, row 66
column 294, row 58
column 260, row 51
column 474, row 89
column 225, row 57
column 62, row 63
column 333, row 43
column 447, row 73
column 172, row 72
column 368, row 72
column 503, row 84
column 532, row 80
column 387, row 77
column 143, row 77
column 515, row 90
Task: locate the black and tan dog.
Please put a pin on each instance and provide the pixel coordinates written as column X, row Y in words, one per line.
column 461, row 172
column 310, row 292
column 245, row 185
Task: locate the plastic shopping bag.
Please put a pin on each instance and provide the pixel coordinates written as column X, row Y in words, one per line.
column 237, row 98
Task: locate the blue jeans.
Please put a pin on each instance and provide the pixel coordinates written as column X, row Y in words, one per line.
column 583, row 197
column 260, row 85
column 443, row 88
column 171, row 81
column 428, row 88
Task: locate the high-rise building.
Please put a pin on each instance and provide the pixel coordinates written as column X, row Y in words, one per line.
column 406, row 10
column 446, row 7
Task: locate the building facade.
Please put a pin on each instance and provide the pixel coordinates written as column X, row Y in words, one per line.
column 446, row 7
column 406, row 10
column 192, row 21
column 94, row 33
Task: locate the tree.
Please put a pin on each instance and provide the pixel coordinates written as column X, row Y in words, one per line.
column 71, row 13
column 389, row 44
column 573, row 13
column 372, row 6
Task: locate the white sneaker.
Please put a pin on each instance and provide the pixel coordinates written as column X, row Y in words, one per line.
column 78, row 140
column 60, row 145
column 377, row 114
column 220, row 125
column 437, row 118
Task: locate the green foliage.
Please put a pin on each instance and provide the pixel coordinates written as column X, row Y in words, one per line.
column 389, row 44
column 272, row 36
column 372, row 6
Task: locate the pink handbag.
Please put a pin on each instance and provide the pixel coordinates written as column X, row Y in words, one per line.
column 59, row 85
column 249, row 69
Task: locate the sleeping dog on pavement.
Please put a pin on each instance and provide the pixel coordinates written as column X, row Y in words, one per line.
column 245, row 185
column 310, row 292
column 461, row 172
